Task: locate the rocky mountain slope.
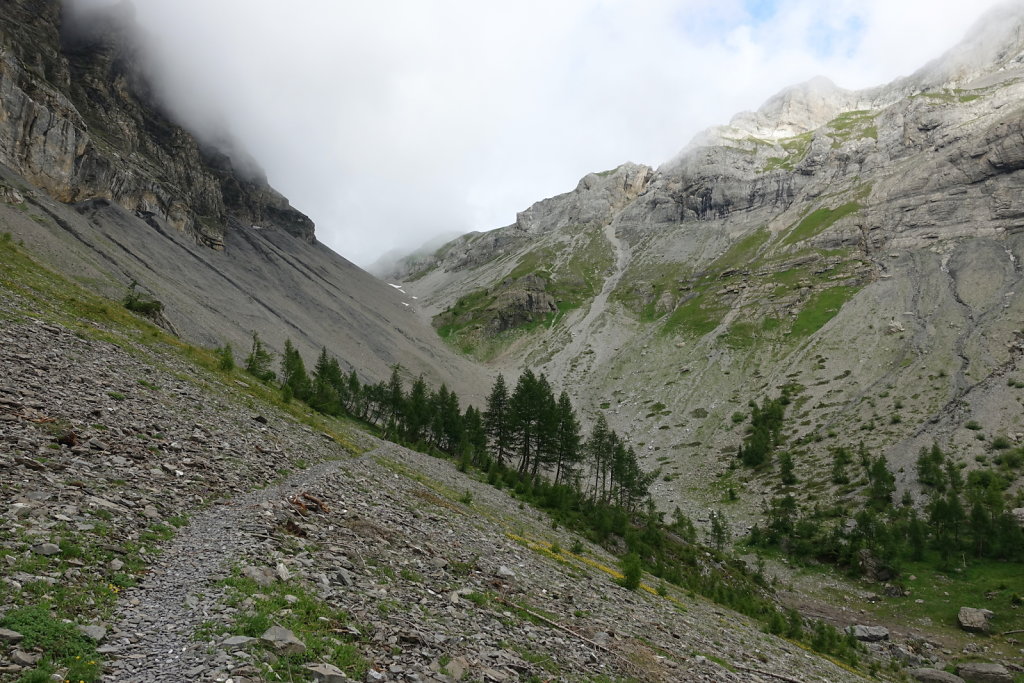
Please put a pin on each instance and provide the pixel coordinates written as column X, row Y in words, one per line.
column 98, row 179
column 175, row 514
column 862, row 248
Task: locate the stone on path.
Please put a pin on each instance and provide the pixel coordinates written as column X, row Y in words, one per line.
column 22, row 658
column 93, row 632
column 283, row 641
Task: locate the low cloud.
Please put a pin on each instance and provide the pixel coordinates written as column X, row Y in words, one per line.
column 391, row 122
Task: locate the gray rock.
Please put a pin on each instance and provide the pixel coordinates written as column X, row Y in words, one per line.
column 22, row 658
column 9, row 636
column 984, row 672
column 327, row 673
column 263, row 576
column 94, row 632
column 344, row 577
column 237, row 641
column 926, row 675
column 974, row 620
column 504, row 572
column 869, row 634
column 458, row 667
column 46, row 549
column 282, row 641
column 374, row 676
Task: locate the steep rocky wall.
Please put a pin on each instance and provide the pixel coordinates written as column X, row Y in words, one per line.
column 78, row 119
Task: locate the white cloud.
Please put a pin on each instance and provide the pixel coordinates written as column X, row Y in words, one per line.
column 394, row 120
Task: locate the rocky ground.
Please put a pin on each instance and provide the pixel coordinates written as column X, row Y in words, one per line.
column 140, row 483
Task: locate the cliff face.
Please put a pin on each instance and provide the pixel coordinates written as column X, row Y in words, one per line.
column 100, row 183
column 78, row 119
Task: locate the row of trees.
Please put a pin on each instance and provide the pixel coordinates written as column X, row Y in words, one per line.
column 535, row 432
column 961, row 518
column 527, row 430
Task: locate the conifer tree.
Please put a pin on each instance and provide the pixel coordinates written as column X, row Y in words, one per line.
column 257, row 363
column 567, row 441
column 294, row 380
column 417, row 411
column 498, row 420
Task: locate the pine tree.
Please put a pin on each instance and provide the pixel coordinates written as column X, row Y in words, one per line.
column 474, row 436
column 786, row 469
column 417, row 411
column 498, row 420
column 257, row 363
column 567, row 441
column 324, row 395
column 294, row 380
column 523, row 409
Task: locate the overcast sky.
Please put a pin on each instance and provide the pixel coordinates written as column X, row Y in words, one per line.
column 389, row 122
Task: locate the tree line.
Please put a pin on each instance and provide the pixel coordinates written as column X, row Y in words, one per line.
column 527, row 430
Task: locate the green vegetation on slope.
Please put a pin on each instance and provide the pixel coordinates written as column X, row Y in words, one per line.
column 796, row 149
column 820, row 308
column 482, row 322
column 852, row 125
column 818, row 221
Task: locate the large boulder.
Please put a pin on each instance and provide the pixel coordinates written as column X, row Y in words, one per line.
column 926, row 675
column 984, row 672
column 869, row 634
column 974, row 620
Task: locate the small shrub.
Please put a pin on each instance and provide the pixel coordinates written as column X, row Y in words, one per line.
column 137, row 302
column 973, row 425
column 631, row 572
column 225, row 358
column 1000, row 443
column 466, row 498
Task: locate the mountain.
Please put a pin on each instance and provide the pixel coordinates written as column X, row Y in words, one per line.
column 859, row 249
column 97, row 177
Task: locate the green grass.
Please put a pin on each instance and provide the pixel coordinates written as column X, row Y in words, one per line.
column 60, row 642
column 821, row 308
column 796, row 149
column 743, row 251
column 698, row 316
column 852, row 125
column 818, row 221
column 741, row 335
column 944, row 593
column 298, row 609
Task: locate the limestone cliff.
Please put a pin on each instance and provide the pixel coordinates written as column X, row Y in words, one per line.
column 79, row 119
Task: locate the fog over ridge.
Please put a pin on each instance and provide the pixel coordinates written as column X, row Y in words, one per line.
column 390, row 123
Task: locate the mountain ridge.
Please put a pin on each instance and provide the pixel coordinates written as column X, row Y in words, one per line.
column 745, row 264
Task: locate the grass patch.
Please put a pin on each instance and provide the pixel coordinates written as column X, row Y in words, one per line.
column 852, row 125
column 314, row 622
column 818, row 221
column 796, row 149
column 61, row 644
column 821, row 308
column 698, row 316
column 983, row 583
